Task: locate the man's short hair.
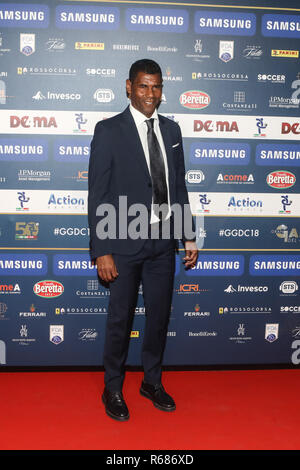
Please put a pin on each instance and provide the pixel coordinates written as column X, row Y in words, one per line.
column 144, row 65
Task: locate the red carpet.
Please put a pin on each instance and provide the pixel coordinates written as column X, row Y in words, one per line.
column 227, row 410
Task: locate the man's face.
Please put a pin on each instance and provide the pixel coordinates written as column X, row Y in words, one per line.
column 145, row 92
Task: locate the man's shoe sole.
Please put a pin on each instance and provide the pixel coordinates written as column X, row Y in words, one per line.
column 111, row 415
column 162, row 408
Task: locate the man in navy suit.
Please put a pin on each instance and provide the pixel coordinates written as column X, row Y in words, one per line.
column 137, row 155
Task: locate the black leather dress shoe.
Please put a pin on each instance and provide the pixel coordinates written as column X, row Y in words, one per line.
column 115, row 405
column 158, row 396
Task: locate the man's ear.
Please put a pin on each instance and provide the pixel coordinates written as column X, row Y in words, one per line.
column 128, row 88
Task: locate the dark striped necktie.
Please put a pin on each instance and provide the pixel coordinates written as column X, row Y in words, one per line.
column 157, row 169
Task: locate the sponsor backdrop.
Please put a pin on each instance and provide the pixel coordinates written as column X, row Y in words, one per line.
column 232, row 82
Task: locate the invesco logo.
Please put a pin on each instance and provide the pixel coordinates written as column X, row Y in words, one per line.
column 194, row 176
column 281, row 179
column 194, row 99
column 48, row 289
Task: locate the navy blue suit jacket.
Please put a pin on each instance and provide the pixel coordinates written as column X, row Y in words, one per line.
column 118, row 168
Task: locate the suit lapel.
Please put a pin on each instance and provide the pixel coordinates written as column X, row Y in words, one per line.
column 168, row 147
column 133, row 144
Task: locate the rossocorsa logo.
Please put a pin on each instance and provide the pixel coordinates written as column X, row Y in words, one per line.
column 219, row 22
column 23, row 265
column 73, row 265
column 274, row 265
column 204, row 153
column 157, row 20
column 278, row 154
column 218, row 265
column 87, row 17
column 14, row 15
column 23, row 149
column 194, row 99
column 48, row 289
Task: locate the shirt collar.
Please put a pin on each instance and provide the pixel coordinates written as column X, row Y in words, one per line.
column 139, row 117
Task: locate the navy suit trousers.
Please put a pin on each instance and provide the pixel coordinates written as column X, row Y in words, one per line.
column 154, row 266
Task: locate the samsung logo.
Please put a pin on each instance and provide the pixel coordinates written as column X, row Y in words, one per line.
column 237, row 24
column 17, row 15
column 73, row 265
column 157, row 19
column 87, row 17
column 278, row 154
column 220, row 153
column 274, row 265
column 23, row 265
column 70, row 150
column 285, row 26
column 218, row 265
column 23, row 150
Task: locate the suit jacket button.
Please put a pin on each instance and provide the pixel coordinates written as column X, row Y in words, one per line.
column 150, row 185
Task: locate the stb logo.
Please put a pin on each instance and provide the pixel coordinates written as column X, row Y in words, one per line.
column 288, row 287
column 104, row 95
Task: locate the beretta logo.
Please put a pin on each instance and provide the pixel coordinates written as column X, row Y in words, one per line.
column 281, row 179
column 48, row 289
column 194, row 99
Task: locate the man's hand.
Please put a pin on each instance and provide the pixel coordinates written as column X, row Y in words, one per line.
column 191, row 254
column 106, row 268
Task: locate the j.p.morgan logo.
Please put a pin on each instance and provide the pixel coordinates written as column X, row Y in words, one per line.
column 48, row 289
column 194, row 99
column 281, row 179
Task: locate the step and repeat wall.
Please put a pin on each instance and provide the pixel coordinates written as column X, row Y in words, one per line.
column 232, row 82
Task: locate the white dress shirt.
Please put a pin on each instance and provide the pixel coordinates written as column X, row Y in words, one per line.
column 139, row 119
